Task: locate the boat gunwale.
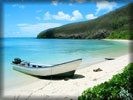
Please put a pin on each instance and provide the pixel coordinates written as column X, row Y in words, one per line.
column 48, row 66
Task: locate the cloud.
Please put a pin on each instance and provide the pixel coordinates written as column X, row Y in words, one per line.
column 70, row 4
column 47, row 16
column 90, row 16
column 77, row 1
column 15, row 5
column 40, row 10
column 36, row 28
column 55, row 2
column 62, row 16
column 76, row 15
column 19, row 6
column 105, row 5
column 80, row 1
column 22, row 24
column 17, row 32
column 37, row 18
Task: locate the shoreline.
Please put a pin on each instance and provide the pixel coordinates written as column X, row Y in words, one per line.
column 119, row 40
column 71, row 89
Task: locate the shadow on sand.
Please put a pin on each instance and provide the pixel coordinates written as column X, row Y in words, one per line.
column 76, row 76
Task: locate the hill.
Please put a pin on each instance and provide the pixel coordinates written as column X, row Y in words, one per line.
column 115, row 24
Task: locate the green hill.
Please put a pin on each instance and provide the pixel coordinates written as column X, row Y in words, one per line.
column 115, row 24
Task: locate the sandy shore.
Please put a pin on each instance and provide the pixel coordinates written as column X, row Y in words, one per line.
column 60, row 89
column 127, row 41
column 84, row 78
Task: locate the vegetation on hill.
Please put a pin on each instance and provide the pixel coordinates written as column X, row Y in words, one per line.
column 115, row 24
column 120, row 87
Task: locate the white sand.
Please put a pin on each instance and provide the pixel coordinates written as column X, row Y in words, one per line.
column 127, row 41
column 45, row 89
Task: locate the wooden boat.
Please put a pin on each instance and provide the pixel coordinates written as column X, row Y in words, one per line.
column 63, row 69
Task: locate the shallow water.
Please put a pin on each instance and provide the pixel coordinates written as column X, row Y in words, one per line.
column 53, row 51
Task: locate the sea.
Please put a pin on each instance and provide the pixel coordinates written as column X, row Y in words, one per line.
column 53, row 51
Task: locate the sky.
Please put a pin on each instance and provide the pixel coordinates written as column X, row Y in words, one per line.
column 29, row 19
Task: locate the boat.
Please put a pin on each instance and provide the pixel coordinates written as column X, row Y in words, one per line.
column 63, row 69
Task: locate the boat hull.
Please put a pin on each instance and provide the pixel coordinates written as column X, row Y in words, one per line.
column 64, row 69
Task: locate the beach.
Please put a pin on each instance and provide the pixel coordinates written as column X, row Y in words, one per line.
column 70, row 88
column 127, row 41
column 73, row 87
column 40, row 41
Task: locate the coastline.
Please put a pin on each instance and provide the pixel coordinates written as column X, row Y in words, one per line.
column 120, row 40
column 71, row 89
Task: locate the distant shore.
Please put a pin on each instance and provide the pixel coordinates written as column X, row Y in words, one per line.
column 73, row 87
column 120, row 40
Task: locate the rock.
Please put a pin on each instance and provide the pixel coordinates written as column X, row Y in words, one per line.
column 94, row 79
column 97, row 70
column 109, row 59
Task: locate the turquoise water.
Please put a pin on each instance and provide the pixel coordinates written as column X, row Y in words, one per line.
column 53, row 51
